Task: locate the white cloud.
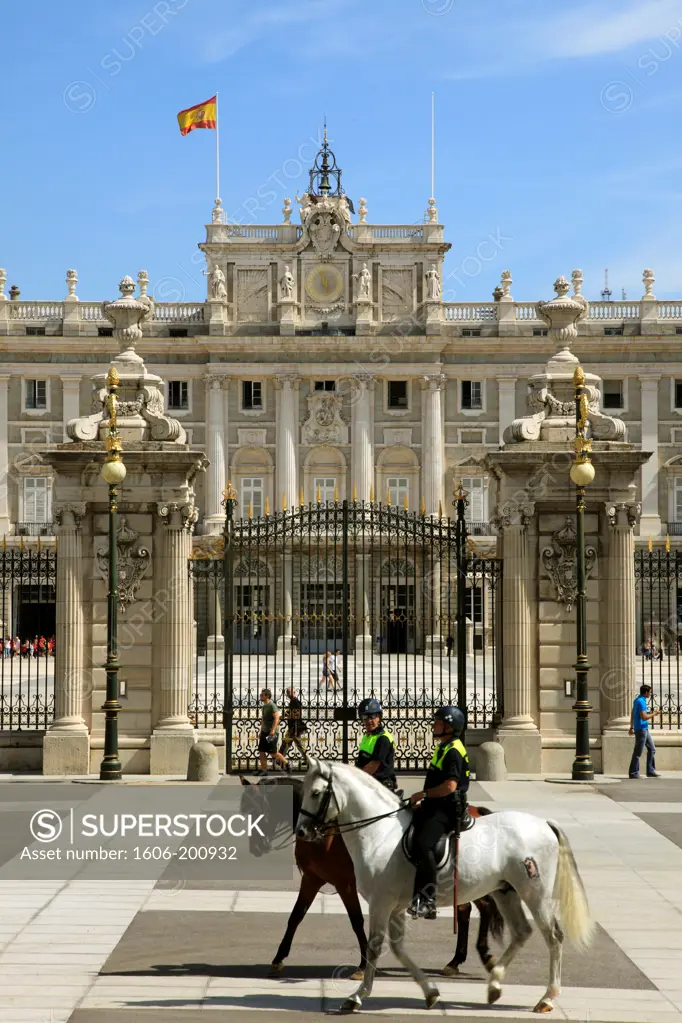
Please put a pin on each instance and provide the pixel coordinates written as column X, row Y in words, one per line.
column 251, row 23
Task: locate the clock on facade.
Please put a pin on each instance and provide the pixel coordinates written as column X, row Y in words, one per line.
column 324, row 283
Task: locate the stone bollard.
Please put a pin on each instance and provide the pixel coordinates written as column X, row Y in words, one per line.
column 490, row 765
column 203, row 763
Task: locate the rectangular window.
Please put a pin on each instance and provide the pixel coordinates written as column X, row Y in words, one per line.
column 325, row 385
column 471, row 437
column 397, row 394
column 35, row 332
column 398, row 491
column 178, row 332
column 473, row 604
column 253, row 501
column 613, row 331
column 36, row 394
column 678, row 394
column 471, row 332
column 252, row 395
column 472, row 394
column 178, row 394
column 105, row 332
column 613, row 394
column 678, row 499
column 475, row 510
column 37, row 499
column 323, row 489
column 540, row 331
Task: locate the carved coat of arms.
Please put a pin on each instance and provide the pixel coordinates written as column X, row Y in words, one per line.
column 560, row 562
column 324, row 424
column 133, row 562
column 324, row 234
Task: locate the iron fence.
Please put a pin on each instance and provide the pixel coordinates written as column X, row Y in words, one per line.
column 338, row 602
column 27, row 642
column 658, row 587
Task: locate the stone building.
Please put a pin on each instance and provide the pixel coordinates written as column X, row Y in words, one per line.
column 324, row 364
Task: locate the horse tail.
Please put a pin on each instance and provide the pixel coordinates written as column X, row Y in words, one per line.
column 569, row 891
column 495, row 918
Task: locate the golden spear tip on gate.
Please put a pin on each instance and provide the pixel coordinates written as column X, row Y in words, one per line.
column 650, row 545
column 667, row 543
column 21, row 543
column 355, row 492
column 405, row 504
column 422, row 507
column 371, row 492
column 336, row 492
column 267, row 505
column 318, row 495
column 440, row 509
column 250, row 510
column 388, row 498
column 301, row 498
column 284, row 502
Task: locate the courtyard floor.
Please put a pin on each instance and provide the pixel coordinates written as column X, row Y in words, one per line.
column 141, row 953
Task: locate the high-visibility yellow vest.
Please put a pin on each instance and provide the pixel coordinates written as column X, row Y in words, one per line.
column 441, row 752
column 368, row 742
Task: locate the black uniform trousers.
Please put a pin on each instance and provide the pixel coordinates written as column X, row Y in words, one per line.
column 433, row 819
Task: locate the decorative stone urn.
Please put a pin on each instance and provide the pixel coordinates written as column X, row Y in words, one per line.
column 551, row 395
column 141, row 398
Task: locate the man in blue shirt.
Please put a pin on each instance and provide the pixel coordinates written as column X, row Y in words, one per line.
column 639, row 727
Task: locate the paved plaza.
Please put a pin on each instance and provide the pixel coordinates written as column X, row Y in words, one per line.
column 87, row 952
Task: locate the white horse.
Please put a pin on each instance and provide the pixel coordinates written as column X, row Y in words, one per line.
column 516, row 856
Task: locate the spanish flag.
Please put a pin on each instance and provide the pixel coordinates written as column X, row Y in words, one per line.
column 203, row 115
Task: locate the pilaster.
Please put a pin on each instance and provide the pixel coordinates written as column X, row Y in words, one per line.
column 287, row 385
column 71, row 384
column 650, row 522
column 432, row 444
column 362, row 452
column 4, row 455
column 506, row 397
column 214, row 514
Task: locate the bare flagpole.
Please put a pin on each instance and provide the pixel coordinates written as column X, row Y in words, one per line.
column 433, row 144
column 217, row 151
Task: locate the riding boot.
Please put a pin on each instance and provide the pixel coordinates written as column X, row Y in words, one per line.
column 423, row 903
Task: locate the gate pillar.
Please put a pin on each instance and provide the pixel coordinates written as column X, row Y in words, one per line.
column 66, row 746
column 364, row 643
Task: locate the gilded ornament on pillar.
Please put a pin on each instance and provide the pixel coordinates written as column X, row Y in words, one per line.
column 134, row 560
column 560, row 563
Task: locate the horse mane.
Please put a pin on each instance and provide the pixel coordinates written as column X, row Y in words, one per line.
column 369, row 780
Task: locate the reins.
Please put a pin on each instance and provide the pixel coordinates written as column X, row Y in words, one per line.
column 324, row 828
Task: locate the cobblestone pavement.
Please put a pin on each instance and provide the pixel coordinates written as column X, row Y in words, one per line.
column 135, row 953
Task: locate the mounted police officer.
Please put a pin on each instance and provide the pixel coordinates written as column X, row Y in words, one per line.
column 377, row 747
column 442, row 805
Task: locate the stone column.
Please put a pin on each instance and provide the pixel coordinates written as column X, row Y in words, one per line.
column 173, row 735
column 226, row 424
column 287, row 441
column 518, row 732
column 214, row 515
column 619, row 678
column 362, row 426
column 4, row 456
column 71, row 385
column 432, row 444
column 650, row 524
column 506, row 391
column 66, row 745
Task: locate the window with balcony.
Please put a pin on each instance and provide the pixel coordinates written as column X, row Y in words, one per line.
column 35, row 394
column 398, row 491
column 613, row 394
column 252, row 396
column 252, row 497
column 476, row 511
column 178, row 395
column 324, row 489
column 472, row 394
column 37, row 500
column 397, row 396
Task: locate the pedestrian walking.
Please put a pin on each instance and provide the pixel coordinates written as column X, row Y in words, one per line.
column 267, row 741
column 326, row 670
column 449, row 644
column 639, row 727
column 297, row 728
column 336, row 668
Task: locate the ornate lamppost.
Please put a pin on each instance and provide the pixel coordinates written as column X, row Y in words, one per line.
column 582, row 474
column 460, row 503
column 113, row 472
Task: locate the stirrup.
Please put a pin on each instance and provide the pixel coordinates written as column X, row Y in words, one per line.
column 421, row 909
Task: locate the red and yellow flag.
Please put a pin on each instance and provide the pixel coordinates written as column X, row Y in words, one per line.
column 203, row 115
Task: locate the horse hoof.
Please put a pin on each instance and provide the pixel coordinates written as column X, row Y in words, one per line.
column 276, row 969
column 450, row 970
column 494, row 993
column 432, row 998
column 358, row 975
column 544, row 1005
column 350, row 1005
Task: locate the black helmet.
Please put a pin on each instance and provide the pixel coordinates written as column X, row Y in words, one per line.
column 451, row 716
column 370, row 706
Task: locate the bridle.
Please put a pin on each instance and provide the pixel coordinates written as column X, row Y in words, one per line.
column 322, row 827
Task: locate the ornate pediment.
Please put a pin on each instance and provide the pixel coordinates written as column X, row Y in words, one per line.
column 324, row 424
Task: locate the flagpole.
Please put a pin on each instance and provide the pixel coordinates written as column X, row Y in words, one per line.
column 433, row 143
column 217, row 151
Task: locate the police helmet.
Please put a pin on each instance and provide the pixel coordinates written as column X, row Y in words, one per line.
column 451, row 716
column 370, row 706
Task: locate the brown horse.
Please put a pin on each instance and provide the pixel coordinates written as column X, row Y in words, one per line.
column 328, row 862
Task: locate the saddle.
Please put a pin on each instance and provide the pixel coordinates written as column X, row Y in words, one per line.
column 445, row 845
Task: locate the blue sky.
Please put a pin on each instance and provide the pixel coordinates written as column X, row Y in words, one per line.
column 558, row 133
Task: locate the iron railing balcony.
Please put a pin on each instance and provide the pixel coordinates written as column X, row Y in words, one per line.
column 675, row 528
column 34, row 529
column 480, row 529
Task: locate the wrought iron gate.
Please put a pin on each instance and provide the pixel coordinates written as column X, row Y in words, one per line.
column 658, row 637
column 340, row 601
column 27, row 640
